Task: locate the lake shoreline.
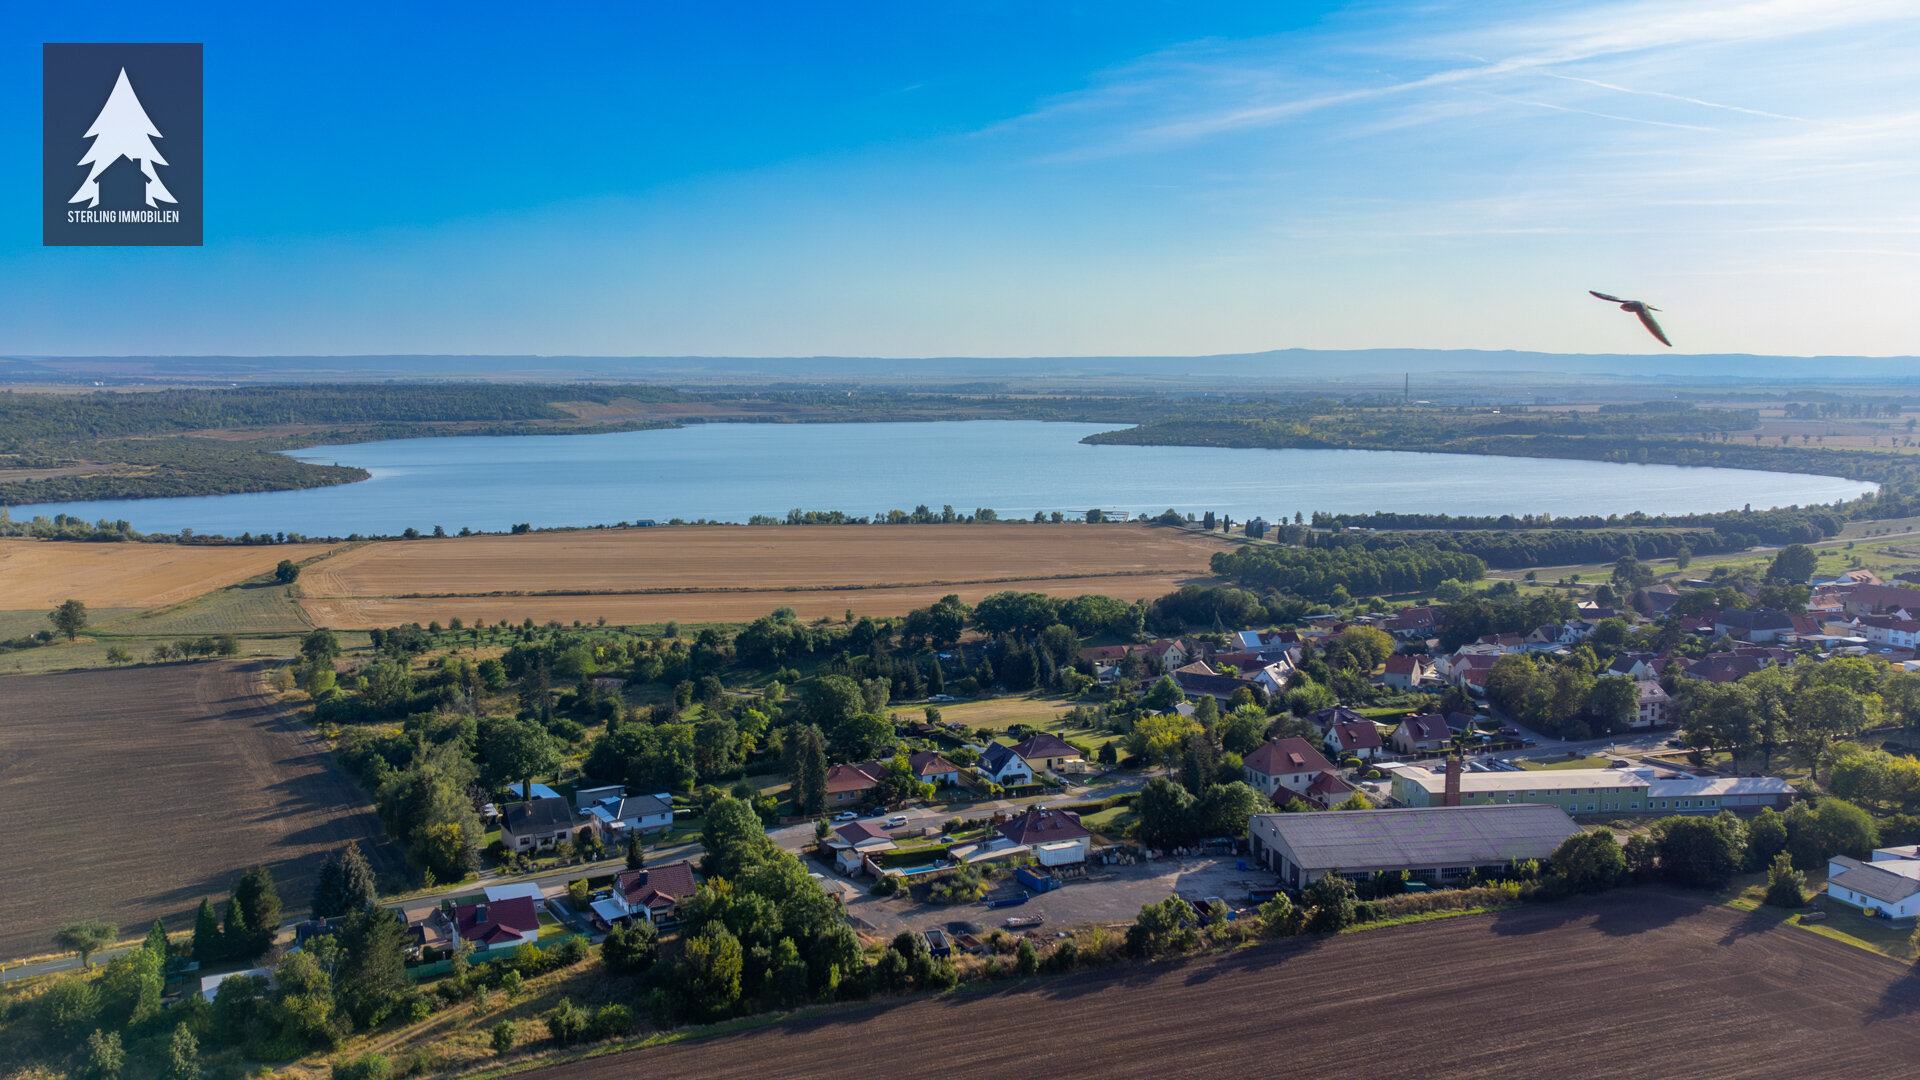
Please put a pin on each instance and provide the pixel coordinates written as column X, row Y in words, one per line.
column 722, row 471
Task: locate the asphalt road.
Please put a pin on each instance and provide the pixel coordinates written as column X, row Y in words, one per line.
column 791, row 837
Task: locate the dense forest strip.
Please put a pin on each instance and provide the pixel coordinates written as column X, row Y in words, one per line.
column 1607, row 437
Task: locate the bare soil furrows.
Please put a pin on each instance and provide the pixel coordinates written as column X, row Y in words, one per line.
column 43, row 573
column 130, row 794
column 1631, row 985
column 733, row 573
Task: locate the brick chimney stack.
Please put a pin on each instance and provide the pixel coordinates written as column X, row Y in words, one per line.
column 1453, row 782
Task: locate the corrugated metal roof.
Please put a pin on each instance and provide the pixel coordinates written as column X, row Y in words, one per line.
column 1367, row 840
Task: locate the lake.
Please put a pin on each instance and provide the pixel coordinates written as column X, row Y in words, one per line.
column 729, row 472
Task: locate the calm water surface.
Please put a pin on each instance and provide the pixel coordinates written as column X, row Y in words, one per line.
column 729, row 472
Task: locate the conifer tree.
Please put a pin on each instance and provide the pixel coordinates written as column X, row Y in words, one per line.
column 208, row 946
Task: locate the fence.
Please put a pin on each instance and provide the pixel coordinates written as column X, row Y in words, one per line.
column 440, row 967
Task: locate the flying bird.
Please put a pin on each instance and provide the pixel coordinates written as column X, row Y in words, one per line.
column 1640, row 308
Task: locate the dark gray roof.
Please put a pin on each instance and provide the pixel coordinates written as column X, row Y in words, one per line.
column 1868, row 879
column 1417, row 837
column 539, row 815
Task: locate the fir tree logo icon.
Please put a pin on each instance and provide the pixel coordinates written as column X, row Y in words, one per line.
column 122, row 130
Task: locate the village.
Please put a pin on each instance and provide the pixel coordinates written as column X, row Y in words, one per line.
column 1022, row 837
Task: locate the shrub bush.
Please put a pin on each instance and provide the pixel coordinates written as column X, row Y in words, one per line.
column 368, row 1066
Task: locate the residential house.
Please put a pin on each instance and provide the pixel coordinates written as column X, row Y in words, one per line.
column 1271, row 678
column 1426, row 733
column 497, row 924
column 1756, row 625
column 616, row 818
column 1001, row 765
column 1406, row 672
column 1056, row 836
column 1733, row 666
column 1883, row 600
column 1169, row 653
column 1888, row 632
column 1046, row 752
column 1413, row 623
column 853, row 842
column 1652, row 704
column 930, row 767
column 1548, row 637
column 530, row 826
column 1197, row 679
column 1654, row 601
column 1634, row 665
column 1284, row 768
column 1357, row 738
column 653, row 893
column 848, row 785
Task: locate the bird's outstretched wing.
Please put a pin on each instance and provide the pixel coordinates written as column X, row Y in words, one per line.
column 1604, row 296
column 1646, row 319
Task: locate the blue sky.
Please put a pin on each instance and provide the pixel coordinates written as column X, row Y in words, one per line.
column 1005, row 179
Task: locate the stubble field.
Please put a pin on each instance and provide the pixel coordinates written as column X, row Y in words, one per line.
column 1629, row 985
column 38, row 574
column 132, row 793
column 737, row 573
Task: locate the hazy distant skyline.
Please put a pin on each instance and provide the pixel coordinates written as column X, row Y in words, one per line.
column 1005, row 180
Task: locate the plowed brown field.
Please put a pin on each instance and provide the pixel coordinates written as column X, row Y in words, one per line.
column 1631, row 985
column 736, row 573
column 41, row 573
column 129, row 794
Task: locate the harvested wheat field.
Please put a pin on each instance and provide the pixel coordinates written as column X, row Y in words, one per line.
column 1631, row 985
column 43, row 573
column 736, row 573
column 132, row 793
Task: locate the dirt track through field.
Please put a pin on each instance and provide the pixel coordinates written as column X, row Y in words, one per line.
column 43, row 573
column 129, row 794
column 1631, row 985
column 737, row 573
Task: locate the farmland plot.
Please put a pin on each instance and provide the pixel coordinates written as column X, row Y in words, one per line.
column 1628, row 985
column 737, row 573
column 132, row 793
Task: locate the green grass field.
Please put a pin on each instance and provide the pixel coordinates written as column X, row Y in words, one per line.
column 241, row 609
column 19, row 624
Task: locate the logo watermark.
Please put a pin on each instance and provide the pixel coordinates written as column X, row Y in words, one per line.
column 122, row 131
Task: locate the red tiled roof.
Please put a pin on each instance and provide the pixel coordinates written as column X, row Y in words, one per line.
column 1282, row 756
column 496, row 919
column 849, row 778
column 1038, row 826
column 657, row 886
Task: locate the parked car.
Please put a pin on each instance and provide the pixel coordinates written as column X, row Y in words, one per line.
column 941, row 697
column 897, row 821
column 875, row 812
column 845, row 815
column 1676, row 743
column 1510, row 730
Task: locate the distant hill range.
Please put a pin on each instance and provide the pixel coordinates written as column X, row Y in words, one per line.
column 1360, row 370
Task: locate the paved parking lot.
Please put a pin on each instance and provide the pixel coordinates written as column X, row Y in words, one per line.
column 1108, row 895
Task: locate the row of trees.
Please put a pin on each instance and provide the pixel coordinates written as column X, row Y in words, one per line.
column 1803, row 709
